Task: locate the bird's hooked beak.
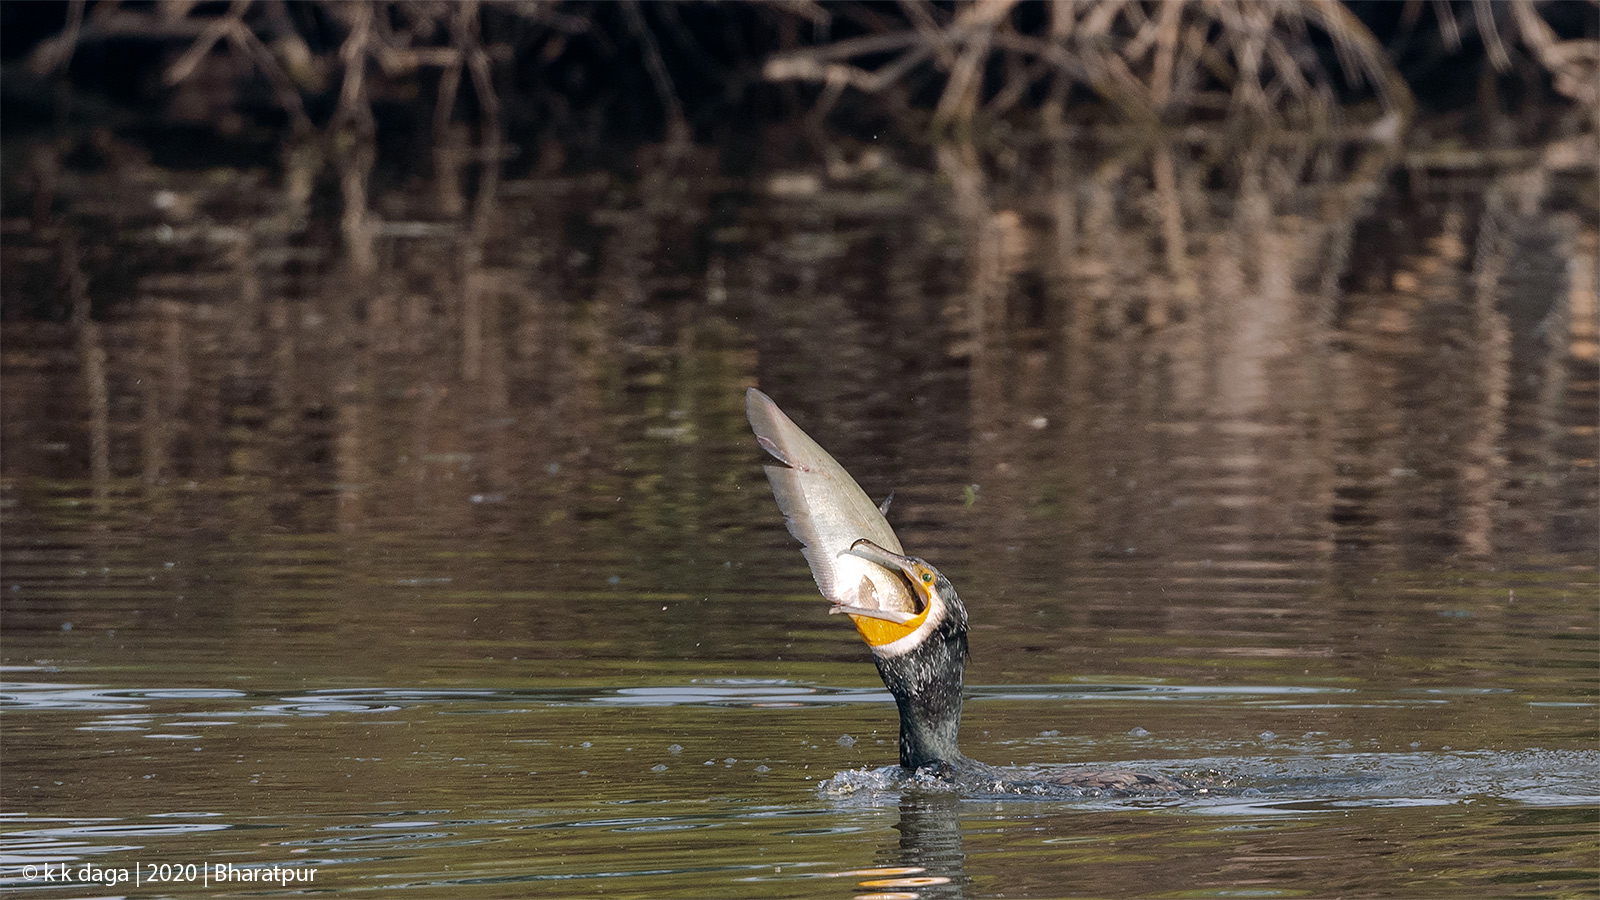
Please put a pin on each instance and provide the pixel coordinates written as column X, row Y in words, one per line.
column 881, row 627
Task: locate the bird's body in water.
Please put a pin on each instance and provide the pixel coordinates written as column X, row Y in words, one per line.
column 904, row 608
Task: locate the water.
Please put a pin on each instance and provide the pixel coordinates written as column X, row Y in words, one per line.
column 459, row 577
column 744, row 787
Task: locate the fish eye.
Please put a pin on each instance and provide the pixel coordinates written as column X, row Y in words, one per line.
column 927, row 578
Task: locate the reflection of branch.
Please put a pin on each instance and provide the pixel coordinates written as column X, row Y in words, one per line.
column 1176, row 245
column 355, row 168
column 92, row 353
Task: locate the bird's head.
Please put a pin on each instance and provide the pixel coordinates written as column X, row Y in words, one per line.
column 939, row 610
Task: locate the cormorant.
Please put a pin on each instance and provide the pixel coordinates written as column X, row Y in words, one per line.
column 904, row 608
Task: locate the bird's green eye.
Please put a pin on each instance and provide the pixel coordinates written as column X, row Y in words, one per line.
column 927, row 578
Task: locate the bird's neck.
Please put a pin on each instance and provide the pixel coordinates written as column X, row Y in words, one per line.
column 926, row 684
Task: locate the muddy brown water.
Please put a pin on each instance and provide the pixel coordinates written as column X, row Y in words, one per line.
column 458, row 575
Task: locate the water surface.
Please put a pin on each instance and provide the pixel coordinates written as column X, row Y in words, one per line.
column 459, row 576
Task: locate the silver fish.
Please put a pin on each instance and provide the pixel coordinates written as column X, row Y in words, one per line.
column 828, row 513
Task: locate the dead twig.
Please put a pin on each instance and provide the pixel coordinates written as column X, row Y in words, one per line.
column 1245, row 57
column 55, row 54
column 354, row 110
column 660, row 78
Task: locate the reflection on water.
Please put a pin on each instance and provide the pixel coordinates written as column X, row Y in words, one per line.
column 1403, row 378
column 1272, row 464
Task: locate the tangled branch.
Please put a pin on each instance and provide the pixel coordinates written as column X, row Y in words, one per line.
column 1149, row 60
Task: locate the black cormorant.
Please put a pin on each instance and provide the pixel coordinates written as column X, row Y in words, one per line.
column 905, row 610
